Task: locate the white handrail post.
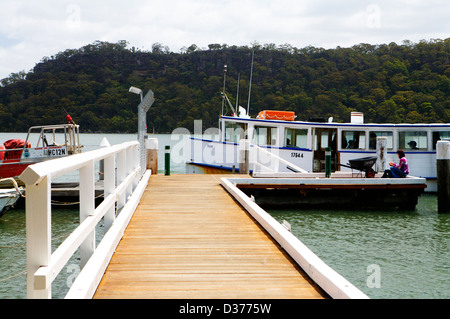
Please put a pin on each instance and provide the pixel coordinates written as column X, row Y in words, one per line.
column 121, row 174
column 109, row 187
column 87, row 208
column 136, row 164
column 130, row 166
column 38, row 226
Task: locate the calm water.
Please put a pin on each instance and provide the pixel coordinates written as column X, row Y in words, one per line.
column 409, row 250
column 405, row 254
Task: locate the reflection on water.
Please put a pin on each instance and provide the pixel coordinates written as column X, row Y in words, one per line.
column 411, row 248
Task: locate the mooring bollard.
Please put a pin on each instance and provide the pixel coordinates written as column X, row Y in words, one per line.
column 244, row 167
column 328, row 162
column 167, row 160
column 151, row 146
column 381, row 164
column 443, row 175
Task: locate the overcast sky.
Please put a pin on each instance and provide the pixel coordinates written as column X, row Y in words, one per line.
column 32, row 29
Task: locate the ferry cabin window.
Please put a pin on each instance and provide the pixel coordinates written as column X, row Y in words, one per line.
column 437, row 136
column 234, row 132
column 353, row 140
column 265, row 135
column 412, row 140
column 323, row 138
column 373, row 139
column 296, row 138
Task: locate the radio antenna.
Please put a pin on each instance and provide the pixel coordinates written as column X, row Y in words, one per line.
column 223, row 91
column 237, row 93
column 250, row 87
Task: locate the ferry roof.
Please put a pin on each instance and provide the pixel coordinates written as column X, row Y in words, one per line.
column 393, row 125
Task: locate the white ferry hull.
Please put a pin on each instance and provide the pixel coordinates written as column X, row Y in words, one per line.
column 224, row 154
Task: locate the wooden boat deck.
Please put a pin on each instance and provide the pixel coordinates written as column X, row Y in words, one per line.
column 189, row 239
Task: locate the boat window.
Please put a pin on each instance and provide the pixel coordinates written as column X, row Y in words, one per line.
column 296, row 138
column 412, row 140
column 323, row 138
column 353, row 140
column 373, row 139
column 234, row 132
column 437, row 136
column 265, row 135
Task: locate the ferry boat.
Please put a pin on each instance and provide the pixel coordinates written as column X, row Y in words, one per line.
column 304, row 143
column 51, row 141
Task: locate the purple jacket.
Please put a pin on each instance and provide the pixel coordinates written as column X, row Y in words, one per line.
column 403, row 165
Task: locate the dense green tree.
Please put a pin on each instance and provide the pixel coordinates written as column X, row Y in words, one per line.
column 409, row 82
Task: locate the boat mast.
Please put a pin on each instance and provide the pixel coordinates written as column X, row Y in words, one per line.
column 250, row 87
column 237, row 93
column 223, row 91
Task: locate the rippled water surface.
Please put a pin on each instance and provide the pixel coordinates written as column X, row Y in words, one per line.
column 407, row 251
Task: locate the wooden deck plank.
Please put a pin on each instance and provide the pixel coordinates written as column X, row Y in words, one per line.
column 190, row 239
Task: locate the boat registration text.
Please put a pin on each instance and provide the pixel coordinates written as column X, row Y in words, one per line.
column 53, row 151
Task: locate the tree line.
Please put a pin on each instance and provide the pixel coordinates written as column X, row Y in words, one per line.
column 395, row 83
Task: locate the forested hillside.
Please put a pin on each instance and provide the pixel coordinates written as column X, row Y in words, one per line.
column 408, row 82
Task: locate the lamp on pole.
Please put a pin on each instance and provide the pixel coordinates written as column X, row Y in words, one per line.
column 135, row 90
column 146, row 103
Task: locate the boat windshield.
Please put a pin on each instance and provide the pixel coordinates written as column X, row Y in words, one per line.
column 55, row 135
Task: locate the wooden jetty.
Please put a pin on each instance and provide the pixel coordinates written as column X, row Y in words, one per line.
column 190, row 239
column 179, row 236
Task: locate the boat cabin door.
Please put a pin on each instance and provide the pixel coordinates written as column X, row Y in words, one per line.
column 323, row 138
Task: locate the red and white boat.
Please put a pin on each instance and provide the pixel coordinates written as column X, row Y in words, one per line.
column 50, row 142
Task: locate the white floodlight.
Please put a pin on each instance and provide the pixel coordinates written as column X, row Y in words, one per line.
column 136, row 90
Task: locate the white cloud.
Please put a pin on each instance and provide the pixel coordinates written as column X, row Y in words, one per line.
column 30, row 30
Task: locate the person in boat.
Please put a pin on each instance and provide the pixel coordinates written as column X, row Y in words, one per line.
column 398, row 170
column 413, row 145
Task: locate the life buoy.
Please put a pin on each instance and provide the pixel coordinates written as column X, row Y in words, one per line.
column 276, row 115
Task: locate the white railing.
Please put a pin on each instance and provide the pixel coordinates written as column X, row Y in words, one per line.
column 123, row 187
column 336, row 286
column 263, row 160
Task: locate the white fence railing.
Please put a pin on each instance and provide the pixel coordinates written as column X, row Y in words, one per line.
column 336, row 286
column 123, row 188
column 261, row 160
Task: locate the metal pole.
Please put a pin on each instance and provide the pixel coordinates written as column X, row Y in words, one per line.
column 250, row 85
column 143, row 107
column 142, row 130
column 443, row 175
column 328, row 162
column 167, row 161
column 223, row 91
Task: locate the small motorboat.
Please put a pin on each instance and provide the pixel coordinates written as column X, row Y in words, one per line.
column 18, row 154
column 9, row 196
